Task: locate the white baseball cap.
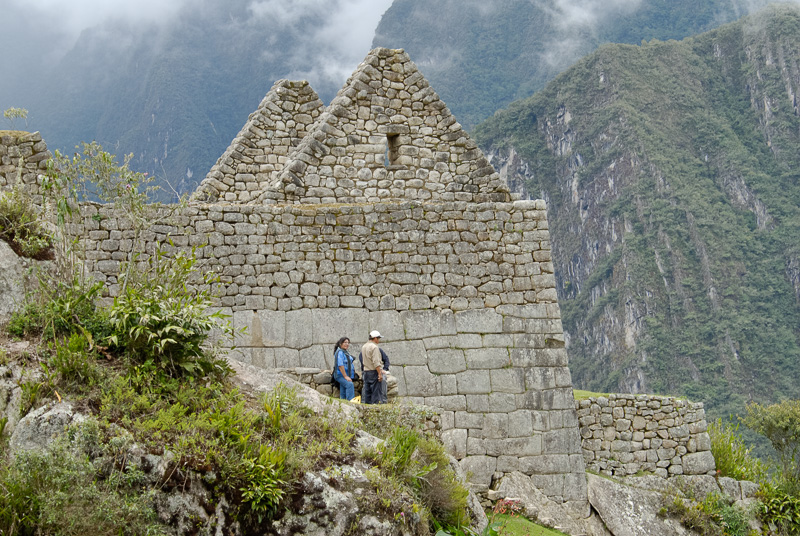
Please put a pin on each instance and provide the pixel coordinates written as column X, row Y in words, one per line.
column 375, row 334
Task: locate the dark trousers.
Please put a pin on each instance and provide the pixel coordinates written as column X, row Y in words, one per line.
column 372, row 391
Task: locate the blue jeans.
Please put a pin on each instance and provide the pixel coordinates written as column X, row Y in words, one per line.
column 346, row 389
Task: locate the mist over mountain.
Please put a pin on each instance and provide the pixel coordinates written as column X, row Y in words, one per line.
column 480, row 56
column 172, row 84
column 672, row 175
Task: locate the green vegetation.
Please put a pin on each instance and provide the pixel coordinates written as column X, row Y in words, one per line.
column 780, row 424
column 12, row 114
column 21, row 226
column 683, row 222
column 734, row 459
column 713, row 516
column 583, row 395
column 778, row 479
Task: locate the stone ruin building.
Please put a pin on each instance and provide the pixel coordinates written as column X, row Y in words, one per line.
column 380, row 212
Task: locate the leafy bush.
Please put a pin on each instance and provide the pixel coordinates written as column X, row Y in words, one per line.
column 160, row 322
column 779, row 510
column 59, row 307
column 422, row 464
column 713, row 516
column 21, row 226
column 780, row 423
column 732, row 455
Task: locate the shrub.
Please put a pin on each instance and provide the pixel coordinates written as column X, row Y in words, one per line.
column 780, row 423
column 422, row 464
column 732, row 455
column 60, row 492
column 59, row 307
column 713, row 516
column 159, row 321
column 779, row 510
column 21, row 227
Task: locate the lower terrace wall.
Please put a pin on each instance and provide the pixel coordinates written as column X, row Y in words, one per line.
column 464, row 294
column 624, row 434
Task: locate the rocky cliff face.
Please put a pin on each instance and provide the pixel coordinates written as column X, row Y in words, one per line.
column 668, row 171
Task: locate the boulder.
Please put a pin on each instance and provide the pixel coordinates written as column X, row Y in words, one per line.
column 256, row 381
column 629, row 511
column 537, row 506
column 39, row 428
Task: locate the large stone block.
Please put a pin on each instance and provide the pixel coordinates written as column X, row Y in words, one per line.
column 480, row 468
column 540, row 378
column 550, row 357
column 317, row 356
column 447, row 361
column 264, row 357
column 698, row 463
column 248, row 329
column 299, row 329
column 447, row 403
column 502, row 402
column 389, row 323
column 520, row 424
column 403, row 352
column 455, row 442
column 508, row 380
column 473, row 382
column 287, row 358
column 421, row 324
column 331, row 324
column 420, row 382
column 479, row 321
column 495, row 426
column 487, row 358
column 273, row 328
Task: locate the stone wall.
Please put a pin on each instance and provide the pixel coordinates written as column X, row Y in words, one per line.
column 624, row 434
column 463, row 293
column 29, row 150
column 260, row 150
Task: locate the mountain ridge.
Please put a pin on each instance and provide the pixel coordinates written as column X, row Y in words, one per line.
column 672, row 193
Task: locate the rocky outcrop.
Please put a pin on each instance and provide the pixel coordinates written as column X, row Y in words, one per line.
column 629, row 511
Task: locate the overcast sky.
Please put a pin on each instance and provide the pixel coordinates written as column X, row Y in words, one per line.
column 47, row 29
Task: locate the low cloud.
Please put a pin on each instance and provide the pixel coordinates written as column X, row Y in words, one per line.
column 331, row 36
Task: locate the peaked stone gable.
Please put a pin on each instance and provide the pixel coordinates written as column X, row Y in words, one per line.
column 262, row 147
column 386, row 135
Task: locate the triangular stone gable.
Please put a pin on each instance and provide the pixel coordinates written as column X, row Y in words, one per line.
column 262, row 146
column 386, row 135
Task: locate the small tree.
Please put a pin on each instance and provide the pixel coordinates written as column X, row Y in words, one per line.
column 12, row 114
column 780, row 423
column 94, row 174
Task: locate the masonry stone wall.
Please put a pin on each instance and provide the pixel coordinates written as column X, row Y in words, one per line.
column 29, row 150
column 379, row 212
column 463, row 293
column 262, row 147
column 625, row 434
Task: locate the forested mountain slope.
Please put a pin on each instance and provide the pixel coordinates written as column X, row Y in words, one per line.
column 480, row 56
column 672, row 172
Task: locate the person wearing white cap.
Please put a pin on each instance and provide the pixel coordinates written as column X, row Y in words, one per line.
column 373, row 369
